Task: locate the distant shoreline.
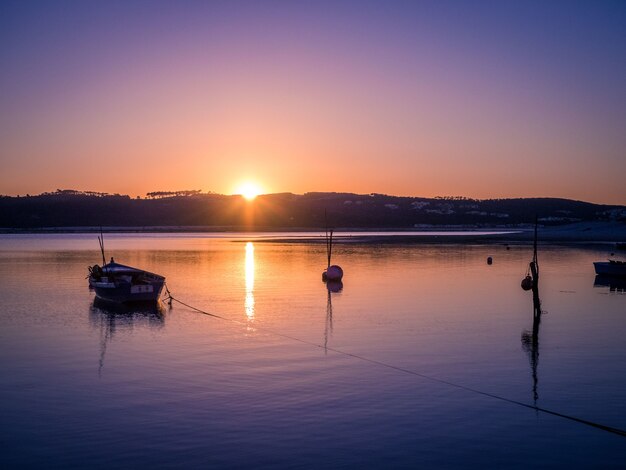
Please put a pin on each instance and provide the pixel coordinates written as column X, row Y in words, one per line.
column 590, row 232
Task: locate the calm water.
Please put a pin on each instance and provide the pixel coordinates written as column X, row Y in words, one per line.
column 87, row 385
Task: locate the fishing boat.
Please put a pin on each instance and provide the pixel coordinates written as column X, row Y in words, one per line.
column 120, row 283
column 333, row 272
column 610, row 268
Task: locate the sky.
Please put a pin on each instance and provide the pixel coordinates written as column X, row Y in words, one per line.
column 486, row 99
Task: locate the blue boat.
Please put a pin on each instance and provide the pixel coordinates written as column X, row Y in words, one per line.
column 119, row 283
column 610, row 268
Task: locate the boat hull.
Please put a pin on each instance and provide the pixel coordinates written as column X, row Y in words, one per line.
column 610, row 269
column 125, row 293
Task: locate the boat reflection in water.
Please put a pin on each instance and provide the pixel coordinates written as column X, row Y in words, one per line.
column 615, row 284
column 111, row 317
column 333, row 288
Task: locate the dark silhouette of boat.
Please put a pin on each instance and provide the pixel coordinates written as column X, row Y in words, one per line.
column 610, row 268
column 119, row 283
column 333, row 273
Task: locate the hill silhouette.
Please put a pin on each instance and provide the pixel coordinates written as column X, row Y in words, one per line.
column 69, row 208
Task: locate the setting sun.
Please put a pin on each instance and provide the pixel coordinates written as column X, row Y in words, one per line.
column 249, row 190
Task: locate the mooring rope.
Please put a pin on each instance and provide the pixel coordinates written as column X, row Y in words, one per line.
column 619, row 432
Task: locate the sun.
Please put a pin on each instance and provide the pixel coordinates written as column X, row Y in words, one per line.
column 249, row 190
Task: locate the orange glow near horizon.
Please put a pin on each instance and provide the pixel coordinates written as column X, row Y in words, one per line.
column 249, row 190
column 408, row 100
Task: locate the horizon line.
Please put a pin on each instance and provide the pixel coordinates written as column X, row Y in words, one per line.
column 154, row 195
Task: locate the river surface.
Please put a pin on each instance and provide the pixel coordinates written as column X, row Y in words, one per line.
column 423, row 358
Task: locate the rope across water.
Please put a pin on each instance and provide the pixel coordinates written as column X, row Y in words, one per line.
column 610, row 429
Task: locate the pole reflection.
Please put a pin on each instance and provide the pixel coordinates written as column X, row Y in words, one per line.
column 249, row 273
column 530, row 344
column 530, row 340
column 332, row 287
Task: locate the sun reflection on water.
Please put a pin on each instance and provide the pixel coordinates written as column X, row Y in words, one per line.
column 249, row 302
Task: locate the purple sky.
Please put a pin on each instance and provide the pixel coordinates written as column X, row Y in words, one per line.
column 480, row 99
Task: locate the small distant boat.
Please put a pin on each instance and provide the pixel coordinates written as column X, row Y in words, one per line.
column 119, row 283
column 332, row 272
column 610, row 268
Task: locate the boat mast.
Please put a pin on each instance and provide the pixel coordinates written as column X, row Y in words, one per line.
column 329, row 239
column 330, row 246
column 101, row 241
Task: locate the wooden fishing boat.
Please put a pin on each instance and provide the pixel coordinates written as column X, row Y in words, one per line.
column 119, row 283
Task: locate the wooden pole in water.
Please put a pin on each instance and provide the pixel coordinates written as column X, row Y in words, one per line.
column 532, row 341
column 534, row 269
column 535, row 262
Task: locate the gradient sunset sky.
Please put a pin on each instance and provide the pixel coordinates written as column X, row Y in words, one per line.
column 419, row 98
